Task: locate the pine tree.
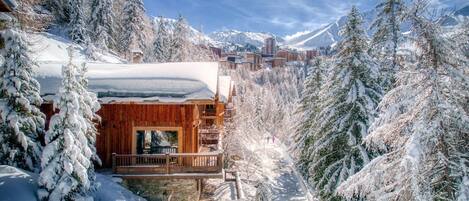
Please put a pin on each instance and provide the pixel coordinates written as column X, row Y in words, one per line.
column 423, row 128
column 133, row 25
column 22, row 123
column 162, row 42
column 61, row 10
column 347, row 108
column 386, row 39
column 66, row 157
column 89, row 105
column 78, row 32
column 307, row 109
column 180, row 42
column 101, row 22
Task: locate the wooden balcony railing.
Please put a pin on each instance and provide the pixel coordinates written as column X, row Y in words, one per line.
column 167, row 163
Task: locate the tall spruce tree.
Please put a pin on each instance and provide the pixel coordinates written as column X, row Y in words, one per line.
column 61, row 10
column 423, row 128
column 180, row 43
column 78, row 29
column 66, row 158
column 347, row 108
column 89, row 105
column 162, row 44
column 133, row 25
column 385, row 41
column 22, row 123
column 307, row 109
column 101, row 23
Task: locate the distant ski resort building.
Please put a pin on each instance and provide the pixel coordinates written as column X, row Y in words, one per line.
column 270, row 46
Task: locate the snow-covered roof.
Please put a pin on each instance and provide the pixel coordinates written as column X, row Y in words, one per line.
column 168, row 82
column 225, row 85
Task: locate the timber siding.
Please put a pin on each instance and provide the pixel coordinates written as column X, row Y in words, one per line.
column 118, row 121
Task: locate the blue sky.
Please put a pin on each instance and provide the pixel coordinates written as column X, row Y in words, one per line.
column 282, row 17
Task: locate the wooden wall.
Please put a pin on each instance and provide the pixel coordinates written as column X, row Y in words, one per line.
column 118, row 120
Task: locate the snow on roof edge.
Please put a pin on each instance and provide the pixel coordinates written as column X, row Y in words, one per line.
column 206, row 73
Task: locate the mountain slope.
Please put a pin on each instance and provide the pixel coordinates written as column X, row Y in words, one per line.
column 242, row 38
column 329, row 34
column 457, row 18
column 324, row 36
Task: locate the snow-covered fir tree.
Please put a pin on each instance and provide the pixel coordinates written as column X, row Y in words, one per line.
column 61, row 10
column 78, row 29
column 162, row 44
column 180, row 42
column 386, row 38
column 22, row 123
column 347, row 108
column 133, row 25
column 66, row 157
column 101, row 23
column 89, row 105
column 307, row 108
column 423, row 127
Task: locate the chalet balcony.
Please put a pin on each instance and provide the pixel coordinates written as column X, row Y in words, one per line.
column 209, row 135
column 169, row 165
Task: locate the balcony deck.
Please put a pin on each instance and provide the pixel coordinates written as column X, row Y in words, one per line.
column 170, row 165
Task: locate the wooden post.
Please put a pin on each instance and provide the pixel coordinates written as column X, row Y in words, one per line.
column 239, row 188
column 220, row 162
column 114, row 163
column 167, row 163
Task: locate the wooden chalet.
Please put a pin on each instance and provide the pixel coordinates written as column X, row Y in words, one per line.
column 157, row 120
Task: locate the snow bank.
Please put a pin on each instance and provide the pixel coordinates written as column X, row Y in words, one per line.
column 17, row 184
column 110, row 190
column 49, row 48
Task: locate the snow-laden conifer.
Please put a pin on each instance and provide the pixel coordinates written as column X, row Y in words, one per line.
column 133, row 25
column 22, row 123
column 61, row 10
column 386, row 38
column 89, row 105
column 162, row 43
column 307, row 109
column 78, row 29
column 423, row 126
column 66, row 158
column 101, row 23
column 180, row 42
column 347, row 108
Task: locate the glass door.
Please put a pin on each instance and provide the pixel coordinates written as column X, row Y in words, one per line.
column 154, row 141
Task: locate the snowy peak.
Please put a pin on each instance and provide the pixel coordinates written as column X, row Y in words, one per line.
column 327, row 35
column 242, row 38
column 457, row 18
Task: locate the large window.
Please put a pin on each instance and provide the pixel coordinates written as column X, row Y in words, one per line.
column 154, row 141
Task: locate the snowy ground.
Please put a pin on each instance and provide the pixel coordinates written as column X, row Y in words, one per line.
column 17, row 184
column 275, row 169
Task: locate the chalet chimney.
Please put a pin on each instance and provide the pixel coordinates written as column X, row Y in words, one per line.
column 136, row 56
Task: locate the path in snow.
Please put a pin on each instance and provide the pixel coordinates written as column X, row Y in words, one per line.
column 277, row 166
